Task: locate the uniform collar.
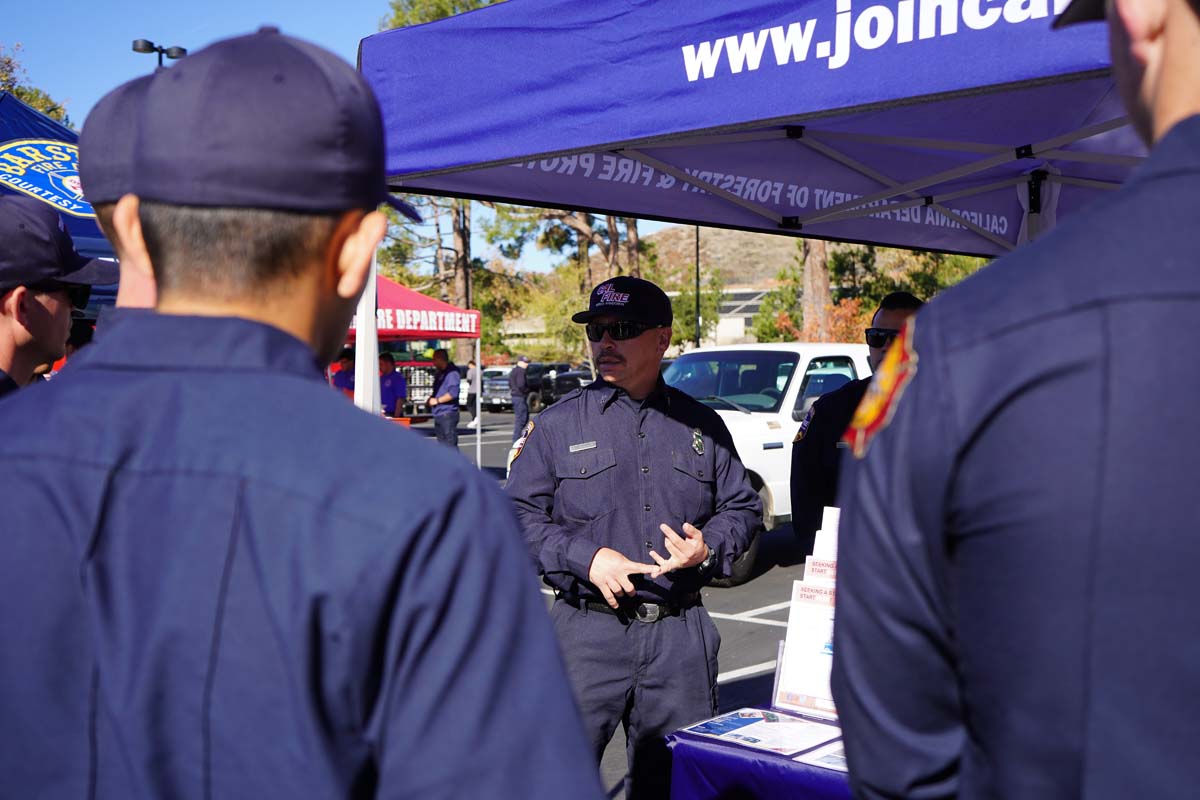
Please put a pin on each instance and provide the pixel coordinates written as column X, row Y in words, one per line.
column 144, row 340
column 660, row 397
column 1178, row 151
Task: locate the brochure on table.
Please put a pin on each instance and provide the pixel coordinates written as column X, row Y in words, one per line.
column 802, row 682
column 802, row 723
column 773, row 731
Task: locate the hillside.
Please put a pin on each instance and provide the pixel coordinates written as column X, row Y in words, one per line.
column 743, row 259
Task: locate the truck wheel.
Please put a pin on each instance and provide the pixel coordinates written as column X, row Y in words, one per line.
column 535, row 403
column 743, row 567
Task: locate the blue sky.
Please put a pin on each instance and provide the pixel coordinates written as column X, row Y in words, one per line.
column 80, row 49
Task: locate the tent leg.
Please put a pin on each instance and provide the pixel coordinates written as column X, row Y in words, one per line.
column 478, row 406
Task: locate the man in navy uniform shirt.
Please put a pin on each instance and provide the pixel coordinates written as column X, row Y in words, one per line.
column 42, row 279
column 817, row 448
column 443, row 398
column 1017, row 598
column 632, row 498
column 393, row 389
column 204, row 595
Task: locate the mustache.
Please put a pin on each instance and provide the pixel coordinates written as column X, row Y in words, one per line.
column 610, row 359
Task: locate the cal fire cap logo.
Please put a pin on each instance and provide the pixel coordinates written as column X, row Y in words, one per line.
column 607, row 296
column 47, row 169
column 887, row 385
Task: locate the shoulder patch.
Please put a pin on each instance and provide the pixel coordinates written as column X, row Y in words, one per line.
column 519, row 444
column 875, row 411
column 808, row 418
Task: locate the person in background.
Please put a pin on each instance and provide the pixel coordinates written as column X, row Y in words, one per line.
column 518, row 391
column 106, row 146
column 472, row 392
column 393, row 389
column 817, row 448
column 343, row 379
column 204, row 595
column 42, row 279
column 1017, row 595
column 443, row 399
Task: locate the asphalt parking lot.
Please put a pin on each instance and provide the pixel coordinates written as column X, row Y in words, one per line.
column 752, row 618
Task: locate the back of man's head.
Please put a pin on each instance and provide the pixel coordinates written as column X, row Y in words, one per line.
column 258, row 164
column 901, row 301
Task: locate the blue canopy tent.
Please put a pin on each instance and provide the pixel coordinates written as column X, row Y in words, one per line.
column 953, row 125
column 39, row 158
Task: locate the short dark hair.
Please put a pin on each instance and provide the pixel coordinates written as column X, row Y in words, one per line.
column 443, row 352
column 900, row 301
column 388, row 357
column 226, row 252
column 347, row 353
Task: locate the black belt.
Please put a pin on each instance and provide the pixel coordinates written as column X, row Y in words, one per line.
column 636, row 610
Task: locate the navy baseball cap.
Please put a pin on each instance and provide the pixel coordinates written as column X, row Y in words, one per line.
column 107, row 141
column 262, row 121
column 37, row 251
column 625, row 297
column 523, row 359
column 1080, row 11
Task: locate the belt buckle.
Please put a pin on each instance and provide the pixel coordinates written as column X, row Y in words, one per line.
column 647, row 612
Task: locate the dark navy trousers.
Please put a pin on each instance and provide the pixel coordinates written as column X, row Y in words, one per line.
column 653, row 678
column 520, row 415
column 446, row 428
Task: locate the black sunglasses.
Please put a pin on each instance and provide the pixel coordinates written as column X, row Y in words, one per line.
column 618, row 331
column 880, row 338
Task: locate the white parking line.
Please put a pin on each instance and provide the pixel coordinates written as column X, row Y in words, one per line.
column 753, row 620
column 754, row 612
column 745, row 672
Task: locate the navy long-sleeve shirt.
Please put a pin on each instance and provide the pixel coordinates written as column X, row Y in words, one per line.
column 1017, row 594
column 207, row 596
column 600, row 469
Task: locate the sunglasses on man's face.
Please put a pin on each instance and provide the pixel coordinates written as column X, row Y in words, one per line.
column 617, row 331
column 879, row 338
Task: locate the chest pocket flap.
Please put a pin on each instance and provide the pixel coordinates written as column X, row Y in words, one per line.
column 585, row 464
column 699, row 467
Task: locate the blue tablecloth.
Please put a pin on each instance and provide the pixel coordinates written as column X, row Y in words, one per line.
column 706, row 769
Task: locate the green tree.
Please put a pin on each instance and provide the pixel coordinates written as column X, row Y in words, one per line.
column 14, row 80
column 680, row 285
column 780, row 316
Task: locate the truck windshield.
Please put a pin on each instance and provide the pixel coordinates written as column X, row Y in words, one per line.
column 753, row 379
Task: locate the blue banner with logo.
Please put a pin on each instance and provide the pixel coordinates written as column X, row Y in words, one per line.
column 958, row 125
column 40, row 158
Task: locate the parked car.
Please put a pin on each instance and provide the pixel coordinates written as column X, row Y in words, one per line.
column 494, row 385
column 567, row 382
column 763, row 391
column 541, row 393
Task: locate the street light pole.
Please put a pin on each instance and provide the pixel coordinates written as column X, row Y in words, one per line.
column 147, row 46
column 697, row 286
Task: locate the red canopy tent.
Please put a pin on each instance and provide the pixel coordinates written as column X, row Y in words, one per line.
column 404, row 314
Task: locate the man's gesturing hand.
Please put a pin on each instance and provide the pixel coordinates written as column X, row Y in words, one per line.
column 610, row 573
column 685, row 552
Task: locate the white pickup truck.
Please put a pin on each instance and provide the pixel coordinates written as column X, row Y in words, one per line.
column 763, row 391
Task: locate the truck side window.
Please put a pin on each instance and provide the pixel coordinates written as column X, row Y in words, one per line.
column 823, row 375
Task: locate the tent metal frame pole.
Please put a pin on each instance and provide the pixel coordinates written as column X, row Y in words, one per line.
column 1087, row 183
column 877, row 176
column 680, row 175
column 1094, row 158
column 982, row 165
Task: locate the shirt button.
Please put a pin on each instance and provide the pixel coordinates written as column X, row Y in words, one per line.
column 646, row 507
column 583, row 470
column 641, row 435
column 649, row 544
column 645, row 470
column 701, row 473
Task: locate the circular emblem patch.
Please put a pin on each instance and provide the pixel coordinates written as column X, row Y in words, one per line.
column 47, row 169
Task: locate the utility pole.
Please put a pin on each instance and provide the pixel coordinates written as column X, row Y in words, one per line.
column 697, row 286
